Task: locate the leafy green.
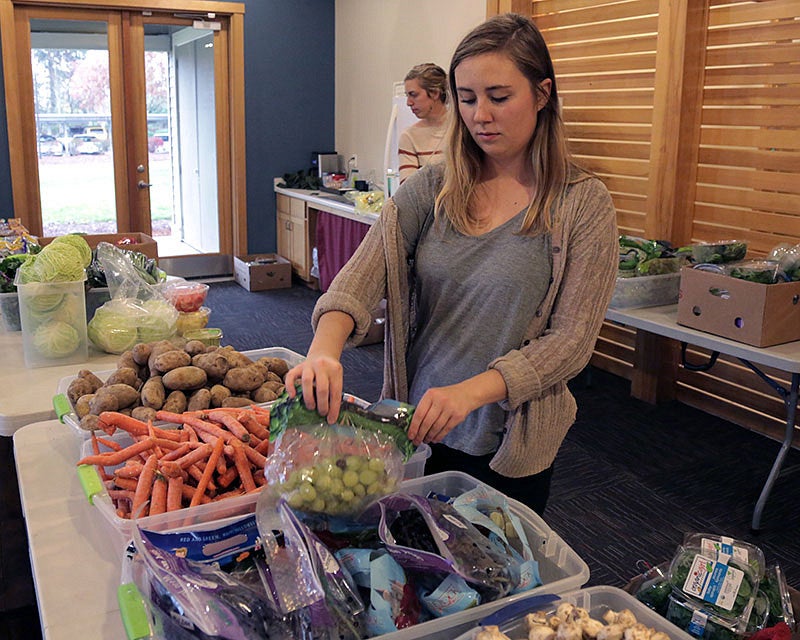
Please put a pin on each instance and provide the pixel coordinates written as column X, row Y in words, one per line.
column 8, row 269
column 388, row 416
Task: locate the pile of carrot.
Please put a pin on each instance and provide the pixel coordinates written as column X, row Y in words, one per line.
column 211, row 455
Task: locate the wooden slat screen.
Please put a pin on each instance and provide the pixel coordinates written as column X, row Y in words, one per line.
column 604, row 56
column 689, row 113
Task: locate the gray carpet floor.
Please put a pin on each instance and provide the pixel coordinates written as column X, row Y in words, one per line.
column 630, row 479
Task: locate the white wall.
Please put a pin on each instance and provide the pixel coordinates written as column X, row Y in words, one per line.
column 377, row 42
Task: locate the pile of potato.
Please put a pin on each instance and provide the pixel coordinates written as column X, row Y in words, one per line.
column 167, row 376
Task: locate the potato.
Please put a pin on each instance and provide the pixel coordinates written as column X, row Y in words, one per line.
column 77, row 388
column 156, row 350
column 145, row 414
column 126, row 360
column 153, row 393
column 264, row 394
column 91, row 378
column 89, row 422
column 194, row 347
column 141, row 353
column 125, row 375
column 126, row 395
column 104, row 400
column 214, row 364
column 278, row 366
column 82, row 407
column 170, row 360
column 185, row 378
column 219, row 394
column 277, row 387
column 234, row 358
column 273, row 377
column 176, row 402
column 200, row 400
column 126, row 411
column 237, row 401
column 244, row 378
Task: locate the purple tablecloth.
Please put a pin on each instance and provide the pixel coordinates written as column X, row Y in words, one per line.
column 337, row 240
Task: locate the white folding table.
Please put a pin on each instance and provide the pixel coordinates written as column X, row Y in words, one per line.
column 662, row 321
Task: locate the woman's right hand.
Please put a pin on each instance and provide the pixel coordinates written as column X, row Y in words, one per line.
column 322, row 381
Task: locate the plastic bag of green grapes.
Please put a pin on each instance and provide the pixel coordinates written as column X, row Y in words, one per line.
column 333, row 470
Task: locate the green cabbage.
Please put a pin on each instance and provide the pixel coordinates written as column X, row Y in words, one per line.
column 57, row 262
column 113, row 328
column 159, row 322
column 42, row 302
column 77, row 241
column 56, row 339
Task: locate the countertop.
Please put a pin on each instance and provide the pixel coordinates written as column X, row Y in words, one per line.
column 27, row 394
column 323, row 201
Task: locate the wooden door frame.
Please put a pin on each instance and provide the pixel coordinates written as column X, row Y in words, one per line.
column 229, row 94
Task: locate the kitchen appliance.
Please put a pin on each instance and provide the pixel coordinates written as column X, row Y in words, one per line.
column 401, row 117
column 323, row 162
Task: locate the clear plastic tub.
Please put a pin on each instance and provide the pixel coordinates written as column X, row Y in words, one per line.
column 70, row 418
column 596, row 600
column 186, row 296
column 192, row 320
column 53, row 319
column 646, row 291
column 744, row 551
column 9, row 311
column 561, row 569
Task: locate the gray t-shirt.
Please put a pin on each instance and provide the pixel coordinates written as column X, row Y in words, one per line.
column 475, row 297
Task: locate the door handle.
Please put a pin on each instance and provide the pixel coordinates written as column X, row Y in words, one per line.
column 144, row 185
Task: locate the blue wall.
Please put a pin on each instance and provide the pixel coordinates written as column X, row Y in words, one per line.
column 289, row 103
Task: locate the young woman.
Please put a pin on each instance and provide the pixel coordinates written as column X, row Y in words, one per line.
column 497, row 268
column 423, row 142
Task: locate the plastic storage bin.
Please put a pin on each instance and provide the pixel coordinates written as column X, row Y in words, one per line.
column 561, row 569
column 646, row 291
column 596, row 600
column 68, row 416
column 53, row 318
column 9, row 311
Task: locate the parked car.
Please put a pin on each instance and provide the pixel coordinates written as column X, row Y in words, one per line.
column 50, row 145
column 100, row 133
column 85, row 144
column 159, row 142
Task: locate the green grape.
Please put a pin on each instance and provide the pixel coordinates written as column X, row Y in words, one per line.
column 348, row 495
column 374, row 488
column 295, row 500
column 335, row 471
column 308, row 492
column 354, row 462
column 293, row 480
column 318, row 505
column 376, row 464
column 360, row 490
column 350, row 478
column 337, row 486
column 322, row 482
column 367, row 477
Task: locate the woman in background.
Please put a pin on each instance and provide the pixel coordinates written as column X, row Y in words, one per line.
column 423, row 142
column 497, row 267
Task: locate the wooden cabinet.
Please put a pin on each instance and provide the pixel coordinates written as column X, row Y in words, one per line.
column 295, row 234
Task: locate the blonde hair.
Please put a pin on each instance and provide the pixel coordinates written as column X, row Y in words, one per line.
column 517, row 37
column 431, row 77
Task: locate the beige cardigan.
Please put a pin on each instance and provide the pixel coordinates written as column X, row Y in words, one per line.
column 559, row 340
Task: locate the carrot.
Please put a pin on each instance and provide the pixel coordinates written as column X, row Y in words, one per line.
column 144, row 487
column 175, row 493
column 126, row 483
column 158, row 500
column 231, row 422
column 206, row 477
column 243, row 466
column 192, row 433
column 228, row 477
column 108, row 444
column 177, row 453
column 114, row 458
column 254, row 457
column 132, row 469
column 199, row 454
column 251, row 423
column 263, row 447
column 194, row 472
column 259, row 477
column 124, row 422
column 188, row 492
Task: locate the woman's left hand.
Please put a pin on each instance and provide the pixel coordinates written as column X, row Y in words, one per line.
column 442, row 409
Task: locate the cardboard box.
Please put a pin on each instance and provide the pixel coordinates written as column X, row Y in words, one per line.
column 761, row 315
column 132, row 241
column 260, row 272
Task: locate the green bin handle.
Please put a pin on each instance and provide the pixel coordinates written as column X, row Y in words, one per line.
column 133, row 611
column 90, row 481
column 62, row 406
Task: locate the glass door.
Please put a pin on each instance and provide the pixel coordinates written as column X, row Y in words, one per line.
column 117, row 119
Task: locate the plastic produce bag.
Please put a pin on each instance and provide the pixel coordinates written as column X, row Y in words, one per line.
column 393, row 603
column 334, row 470
column 488, row 509
column 137, row 312
column 426, row 534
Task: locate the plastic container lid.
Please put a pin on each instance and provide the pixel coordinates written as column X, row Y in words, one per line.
column 716, row 544
column 211, row 337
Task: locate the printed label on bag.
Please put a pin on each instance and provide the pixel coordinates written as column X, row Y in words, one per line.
column 713, row 582
column 697, row 625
